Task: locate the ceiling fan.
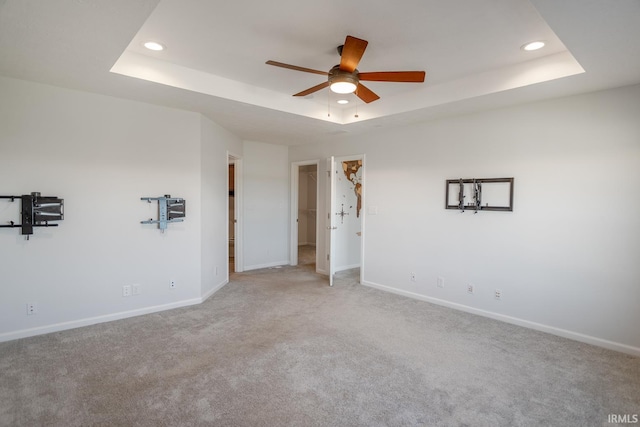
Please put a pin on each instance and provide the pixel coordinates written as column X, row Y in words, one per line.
column 345, row 78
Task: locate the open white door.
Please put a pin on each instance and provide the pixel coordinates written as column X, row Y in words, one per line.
column 345, row 190
column 331, row 223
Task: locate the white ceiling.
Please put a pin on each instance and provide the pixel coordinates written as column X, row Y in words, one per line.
column 216, row 52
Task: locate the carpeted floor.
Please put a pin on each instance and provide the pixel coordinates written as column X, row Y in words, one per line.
column 307, row 255
column 278, row 347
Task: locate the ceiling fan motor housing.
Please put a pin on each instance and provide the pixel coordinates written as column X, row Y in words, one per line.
column 337, row 75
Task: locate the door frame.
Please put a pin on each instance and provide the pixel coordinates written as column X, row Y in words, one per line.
column 293, row 215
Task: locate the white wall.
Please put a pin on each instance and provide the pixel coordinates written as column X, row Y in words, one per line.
column 101, row 155
column 266, row 205
column 566, row 259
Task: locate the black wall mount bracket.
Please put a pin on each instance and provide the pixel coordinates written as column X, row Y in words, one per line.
column 36, row 211
column 479, row 194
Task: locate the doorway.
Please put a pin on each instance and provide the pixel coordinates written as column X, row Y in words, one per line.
column 234, row 211
column 232, row 217
column 304, row 211
column 307, row 215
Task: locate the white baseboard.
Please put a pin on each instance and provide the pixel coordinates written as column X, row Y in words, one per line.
column 63, row 326
column 267, row 265
column 611, row 345
column 213, row 290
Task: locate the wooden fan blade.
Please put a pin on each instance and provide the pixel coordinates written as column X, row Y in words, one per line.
column 394, row 76
column 312, row 89
column 366, row 94
column 352, row 52
column 295, row 67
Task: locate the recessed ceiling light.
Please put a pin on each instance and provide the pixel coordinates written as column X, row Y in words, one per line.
column 343, row 101
column 533, row 46
column 153, row 46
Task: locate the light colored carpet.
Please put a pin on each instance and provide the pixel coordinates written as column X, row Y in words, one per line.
column 278, row 347
column 307, row 255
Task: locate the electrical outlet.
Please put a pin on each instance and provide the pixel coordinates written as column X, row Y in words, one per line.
column 32, row 308
column 470, row 288
column 126, row 291
column 172, row 284
column 498, row 294
column 413, row 276
column 440, row 282
column 135, row 289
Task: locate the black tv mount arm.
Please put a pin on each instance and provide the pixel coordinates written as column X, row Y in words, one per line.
column 36, row 211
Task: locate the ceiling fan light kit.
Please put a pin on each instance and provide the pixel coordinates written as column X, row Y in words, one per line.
column 344, row 78
column 343, row 87
column 342, row 81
